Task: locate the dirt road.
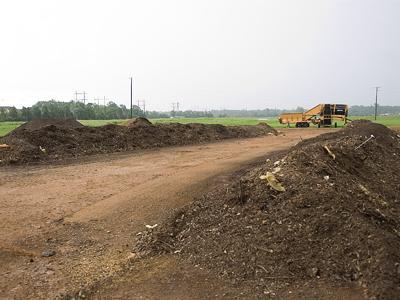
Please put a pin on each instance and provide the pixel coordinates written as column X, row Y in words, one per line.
column 68, row 227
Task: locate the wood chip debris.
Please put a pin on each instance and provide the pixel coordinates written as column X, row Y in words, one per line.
column 151, row 226
column 330, row 152
column 4, row 147
column 273, row 182
column 42, row 149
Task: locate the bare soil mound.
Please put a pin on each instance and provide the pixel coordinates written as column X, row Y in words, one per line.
column 140, row 121
column 44, row 140
column 40, row 123
column 337, row 221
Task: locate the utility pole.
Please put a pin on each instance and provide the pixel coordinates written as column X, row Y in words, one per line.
column 142, row 105
column 376, row 100
column 80, row 93
column 104, row 99
column 131, row 98
column 175, row 106
column 173, row 109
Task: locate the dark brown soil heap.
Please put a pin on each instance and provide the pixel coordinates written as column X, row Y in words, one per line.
column 41, row 123
column 338, row 220
column 140, row 121
column 49, row 140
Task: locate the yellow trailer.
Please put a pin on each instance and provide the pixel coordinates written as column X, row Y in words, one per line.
column 320, row 115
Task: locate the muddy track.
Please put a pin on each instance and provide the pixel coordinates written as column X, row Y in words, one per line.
column 89, row 214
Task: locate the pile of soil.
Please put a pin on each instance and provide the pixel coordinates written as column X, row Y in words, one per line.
column 49, row 140
column 337, row 221
column 140, row 121
column 41, row 123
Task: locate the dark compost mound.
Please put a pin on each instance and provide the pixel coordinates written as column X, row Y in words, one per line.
column 49, row 140
column 41, row 123
column 140, row 121
column 338, row 219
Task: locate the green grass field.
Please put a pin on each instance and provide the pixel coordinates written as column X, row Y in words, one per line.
column 224, row 121
column 390, row 121
column 6, row 127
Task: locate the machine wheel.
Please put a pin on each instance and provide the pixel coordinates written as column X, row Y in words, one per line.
column 302, row 124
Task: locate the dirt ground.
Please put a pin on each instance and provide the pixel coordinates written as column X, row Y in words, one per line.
column 67, row 230
column 397, row 128
column 325, row 210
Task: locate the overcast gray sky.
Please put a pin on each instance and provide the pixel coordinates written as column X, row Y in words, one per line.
column 204, row 53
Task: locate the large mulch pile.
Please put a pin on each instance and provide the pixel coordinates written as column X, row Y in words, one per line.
column 338, row 220
column 50, row 140
column 140, row 121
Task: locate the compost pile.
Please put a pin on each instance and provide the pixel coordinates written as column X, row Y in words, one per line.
column 337, row 220
column 140, row 121
column 49, row 140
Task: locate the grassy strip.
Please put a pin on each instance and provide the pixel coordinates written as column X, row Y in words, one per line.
column 6, row 127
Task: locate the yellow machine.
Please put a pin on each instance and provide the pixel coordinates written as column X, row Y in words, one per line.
column 320, row 115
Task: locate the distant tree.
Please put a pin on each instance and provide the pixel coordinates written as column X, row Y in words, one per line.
column 45, row 113
column 36, row 112
column 13, row 114
column 156, row 114
column 29, row 113
column 3, row 114
column 26, row 113
column 66, row 112
column 55, row 109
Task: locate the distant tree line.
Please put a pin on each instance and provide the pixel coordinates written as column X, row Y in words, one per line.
column 177, row 114
column 254, row 113
column 68, row 110
column 90, row 111
column 361, row 110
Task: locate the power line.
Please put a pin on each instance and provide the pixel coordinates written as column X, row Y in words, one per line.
column 142, row 105
column 104, row 99
column 376, row 100
column 175, row 106
column 131, row 98
column 79, row 94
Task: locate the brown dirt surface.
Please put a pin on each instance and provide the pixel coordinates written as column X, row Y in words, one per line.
column 52, row 140
column 338, row 221
column 41, row 123
column 140, row 121
column 88, row 213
